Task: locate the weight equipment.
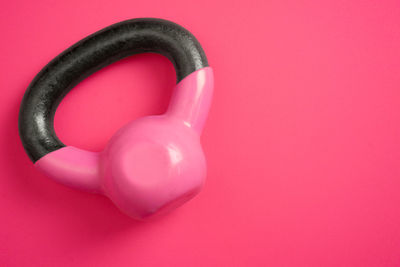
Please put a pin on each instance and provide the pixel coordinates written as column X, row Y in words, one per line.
column 151, row 165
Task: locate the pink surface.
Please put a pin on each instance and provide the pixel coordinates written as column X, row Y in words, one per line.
column 302, row 142
column 73, row 167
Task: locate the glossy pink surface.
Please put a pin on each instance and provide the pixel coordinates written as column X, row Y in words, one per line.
column 73, row 167
column 191, row 99
column 302, row 141
column 151, row 165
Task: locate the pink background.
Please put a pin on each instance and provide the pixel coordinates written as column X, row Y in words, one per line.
column 302, row 141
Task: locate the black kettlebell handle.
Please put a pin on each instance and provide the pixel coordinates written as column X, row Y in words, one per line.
column 87, row 56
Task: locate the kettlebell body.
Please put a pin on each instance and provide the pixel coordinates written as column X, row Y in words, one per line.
column 152, row 164
column 162, row 166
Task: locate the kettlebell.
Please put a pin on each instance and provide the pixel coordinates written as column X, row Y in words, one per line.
column 151, row 165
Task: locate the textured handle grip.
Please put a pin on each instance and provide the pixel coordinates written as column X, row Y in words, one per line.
column 91, row 54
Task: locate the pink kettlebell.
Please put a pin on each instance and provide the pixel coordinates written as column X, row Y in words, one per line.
column 152, row 164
